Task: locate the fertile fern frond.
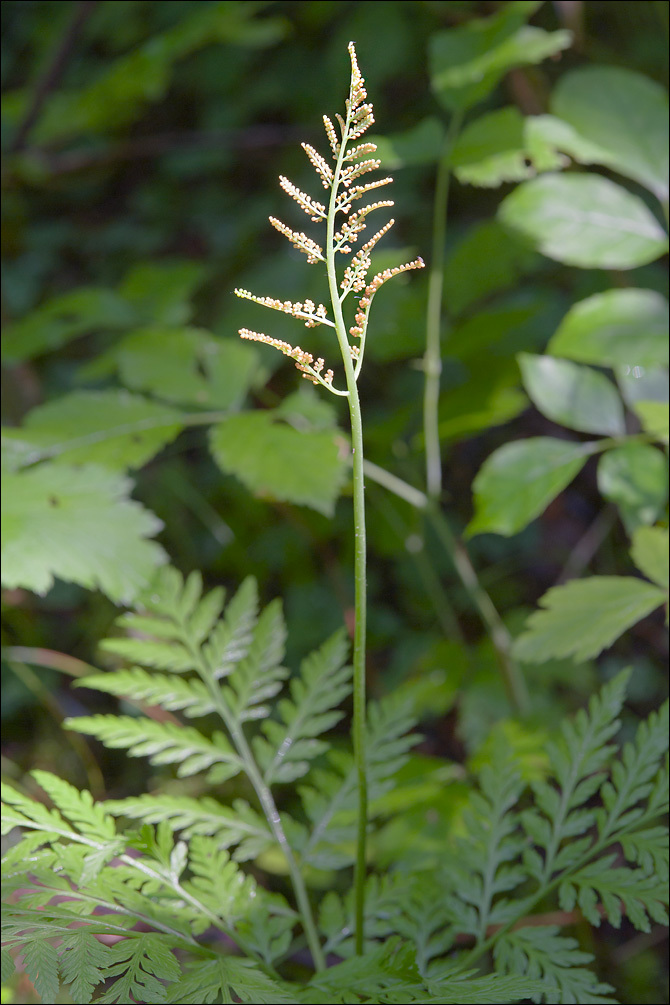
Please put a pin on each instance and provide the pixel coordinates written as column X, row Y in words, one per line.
column 287, row 747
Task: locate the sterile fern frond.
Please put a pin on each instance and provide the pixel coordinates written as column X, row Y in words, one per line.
column 287, row 747
column 237, row 826
column 162, row 743
column 259, row 675
column 187, row 695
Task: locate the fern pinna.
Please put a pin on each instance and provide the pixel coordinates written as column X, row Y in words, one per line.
column 169, row 908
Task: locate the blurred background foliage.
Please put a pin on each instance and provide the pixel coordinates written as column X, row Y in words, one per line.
column 142, row 147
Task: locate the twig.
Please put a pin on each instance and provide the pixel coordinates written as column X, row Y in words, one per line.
column 53, row 73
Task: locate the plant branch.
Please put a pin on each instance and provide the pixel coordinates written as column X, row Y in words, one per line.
column 51, row 77
column 432, row 360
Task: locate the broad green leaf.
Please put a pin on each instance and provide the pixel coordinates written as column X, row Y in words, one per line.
column 518, row 481
column 421, row 144
column 87, row 309
column 650, row 553
column 144, row 74
column 113, row 428
column 635, row 477
column 161, row 291
column 622, row 113
column 655, row 419
column 585, row 220
column 188, row 366
column 572, row 395
column 487, row 260
column 626, row 327
column 275, row 460
column 467, row 62
column 493, row 149
column 585, row 616
column 78, row 524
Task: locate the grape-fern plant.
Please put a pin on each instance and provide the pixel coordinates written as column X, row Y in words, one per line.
column 169, row 907
column 175, row 905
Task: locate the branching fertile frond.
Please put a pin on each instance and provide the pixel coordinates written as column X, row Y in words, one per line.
column 346, row 187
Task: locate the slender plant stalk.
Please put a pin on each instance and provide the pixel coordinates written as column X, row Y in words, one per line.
column 432, row 360
column 266, row 800
column 360, row 554
column 345, row 182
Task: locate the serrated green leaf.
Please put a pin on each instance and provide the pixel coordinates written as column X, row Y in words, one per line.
column 115, row 429
column 624, row 116
column 139, row 965
column 161, row 742
column 273, row 459
column 87, row 309
column 635, row 477
column 495, row 149
column 585, row 616
column 218, row 980
column 188, row 366
column 655, row 419
column 323, row 684
column 83, row 959
column 467, row 62
column 541, row 953
column 626, row 327
column 78, row 806
column 572, row 395
column 259, row 675
column 170, row 692
column 238, row 825
column 41, row 963
column 650, row 554
column 78, row 524
column 518, row 481
column 216, row 880
column 161, row 291
column 584, row 220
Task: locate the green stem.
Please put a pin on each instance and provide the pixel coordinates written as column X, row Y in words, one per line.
column 266, row 800
column 458, row 555
column 432, row 360
column 360, row 589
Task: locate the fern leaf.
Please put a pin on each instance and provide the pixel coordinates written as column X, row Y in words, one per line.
column 171, row 693
column 139, row 964
column 471, row 989
column 220, row 979
column 240, row 826
column 259, row 675
column 642, row 896
column 161, row 742
column 22, row 811
column 83, row 961
column 230, row 640
column 329, row 800
column 633, row 777
column 267, row 928
column 578, row 762
column 78, row 806
column 40, row 959
column 288, row 746
column 649, row 848
column 541, row 953
column 488, row 862
column 170, row 655
column 217, row 881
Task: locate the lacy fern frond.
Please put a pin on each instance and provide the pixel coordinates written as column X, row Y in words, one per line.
column 287, row 747
column 238, row 826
